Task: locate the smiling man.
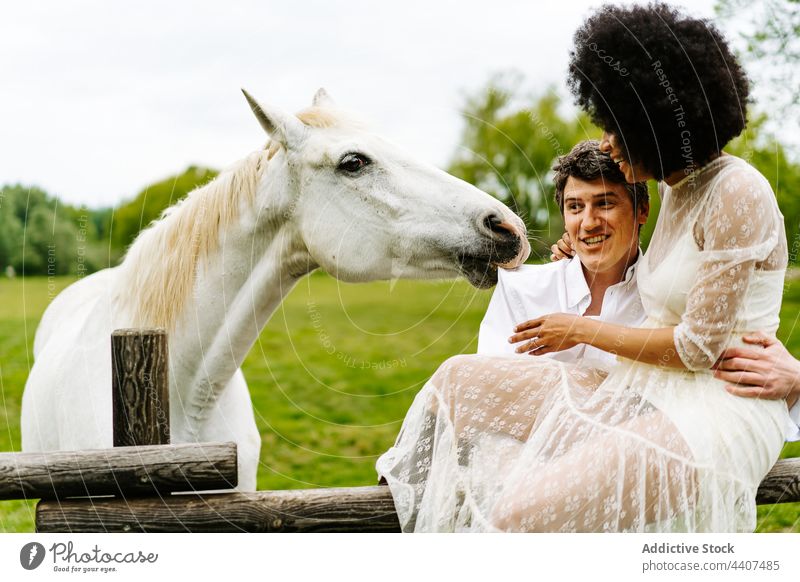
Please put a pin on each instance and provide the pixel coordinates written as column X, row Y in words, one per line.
column 603, row 214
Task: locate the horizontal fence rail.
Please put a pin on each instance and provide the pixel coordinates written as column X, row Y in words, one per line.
column 782, row 483
column 353, row 509
column 125, row 471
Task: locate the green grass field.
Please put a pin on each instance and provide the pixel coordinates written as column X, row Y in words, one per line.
column 331, row 376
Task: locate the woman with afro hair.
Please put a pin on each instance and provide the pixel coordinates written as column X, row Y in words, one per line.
column 655, row 443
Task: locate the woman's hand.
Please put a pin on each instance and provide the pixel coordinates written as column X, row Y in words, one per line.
column 551, row 333
column 562, row 249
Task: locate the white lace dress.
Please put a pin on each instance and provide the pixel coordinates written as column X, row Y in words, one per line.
column 504, row 444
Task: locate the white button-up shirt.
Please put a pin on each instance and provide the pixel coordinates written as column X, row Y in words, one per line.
column 531, row 291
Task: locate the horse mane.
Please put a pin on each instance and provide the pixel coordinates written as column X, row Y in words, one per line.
column 160, row 267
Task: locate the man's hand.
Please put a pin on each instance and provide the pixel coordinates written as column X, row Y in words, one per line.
column 562, row 249
column 771, row 373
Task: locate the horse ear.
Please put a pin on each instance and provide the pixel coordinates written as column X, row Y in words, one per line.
column 285, row 128
column 322, row 99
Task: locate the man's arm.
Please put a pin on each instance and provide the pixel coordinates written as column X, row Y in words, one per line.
column 771, row 372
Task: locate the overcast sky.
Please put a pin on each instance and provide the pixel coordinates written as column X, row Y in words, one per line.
column 100, row 98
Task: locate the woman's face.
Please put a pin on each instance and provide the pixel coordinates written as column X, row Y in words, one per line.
column 633, row 172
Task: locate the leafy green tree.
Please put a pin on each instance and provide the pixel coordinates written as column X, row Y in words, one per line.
column 10, row 232
column 39, row 235
column 769, row 31
column 50, row 244
column 509, row 144
column 147, row 206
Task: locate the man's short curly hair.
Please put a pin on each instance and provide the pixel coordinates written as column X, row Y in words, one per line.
column 665, row 83
column 586, row 162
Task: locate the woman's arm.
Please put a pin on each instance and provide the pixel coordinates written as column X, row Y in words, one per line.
column 561, row 331
column 737, row 227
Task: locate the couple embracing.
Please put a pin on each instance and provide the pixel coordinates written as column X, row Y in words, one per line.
column 619, row 416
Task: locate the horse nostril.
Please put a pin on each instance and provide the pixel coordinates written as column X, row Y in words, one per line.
column 492, row 221
column 495, row 223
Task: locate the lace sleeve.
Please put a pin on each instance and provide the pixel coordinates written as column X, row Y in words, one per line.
column 738, row 232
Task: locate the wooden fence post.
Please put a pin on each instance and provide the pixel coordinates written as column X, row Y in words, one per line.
column 140, row 387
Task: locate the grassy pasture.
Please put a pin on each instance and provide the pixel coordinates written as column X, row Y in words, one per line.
column 331, row 376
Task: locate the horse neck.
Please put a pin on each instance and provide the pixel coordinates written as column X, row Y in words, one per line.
column 236, row 281
column 236, row 293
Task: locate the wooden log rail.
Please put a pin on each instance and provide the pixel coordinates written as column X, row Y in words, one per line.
column 125, row 471
column 356, row 509
column 782, row 483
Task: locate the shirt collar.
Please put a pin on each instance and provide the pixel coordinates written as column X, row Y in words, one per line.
column 630, row 274
column 578, row 288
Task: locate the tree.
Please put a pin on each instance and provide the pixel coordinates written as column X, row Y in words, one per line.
column 509, row 144
column 769, row 38
column 147, row 206
column 10, row 232
column 40, row 235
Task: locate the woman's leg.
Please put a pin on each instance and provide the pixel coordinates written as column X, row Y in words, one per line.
column 501, row 395
column 621, row 477
column 467, row 425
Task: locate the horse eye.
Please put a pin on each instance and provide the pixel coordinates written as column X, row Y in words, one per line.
column 353, row 163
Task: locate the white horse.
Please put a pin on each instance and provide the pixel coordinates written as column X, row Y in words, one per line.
column 325, row 193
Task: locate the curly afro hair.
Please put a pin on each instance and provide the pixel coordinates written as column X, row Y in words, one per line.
column 667, row 85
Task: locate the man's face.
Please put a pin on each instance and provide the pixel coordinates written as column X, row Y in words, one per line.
column 599, row 218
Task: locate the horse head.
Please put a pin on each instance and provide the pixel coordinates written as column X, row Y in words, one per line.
column 367, row 210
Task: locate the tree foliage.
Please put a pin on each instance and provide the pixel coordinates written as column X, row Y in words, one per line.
column 41, row 236
column 508, row 146
column 147, row 205
column 769, row 37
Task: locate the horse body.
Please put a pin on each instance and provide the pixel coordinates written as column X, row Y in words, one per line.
column 325, row 194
